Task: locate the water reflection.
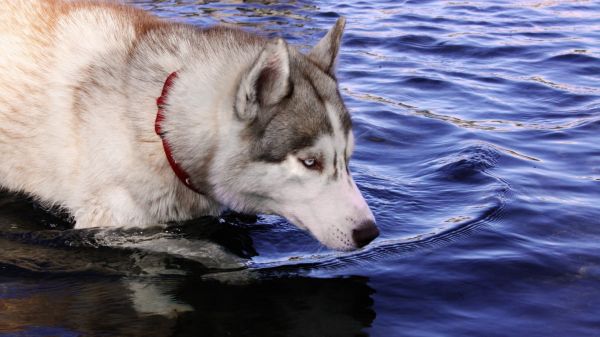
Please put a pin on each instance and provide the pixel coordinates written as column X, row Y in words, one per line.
column 192, row 306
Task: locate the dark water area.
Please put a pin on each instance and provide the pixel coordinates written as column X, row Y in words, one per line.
column 478, row 148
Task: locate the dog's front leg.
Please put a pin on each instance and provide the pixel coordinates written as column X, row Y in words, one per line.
column 110, row 207
column 94, row 216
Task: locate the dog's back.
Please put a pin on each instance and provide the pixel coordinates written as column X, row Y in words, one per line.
column 44, row 48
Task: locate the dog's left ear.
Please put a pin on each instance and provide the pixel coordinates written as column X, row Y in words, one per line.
column 267, row 81
column 324, row 54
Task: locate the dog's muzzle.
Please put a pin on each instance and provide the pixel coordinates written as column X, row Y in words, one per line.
column 364, row 234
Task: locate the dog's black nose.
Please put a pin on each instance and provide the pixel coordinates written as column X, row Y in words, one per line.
column 364, row 234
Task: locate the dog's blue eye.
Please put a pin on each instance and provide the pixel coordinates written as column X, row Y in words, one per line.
column 309, row 163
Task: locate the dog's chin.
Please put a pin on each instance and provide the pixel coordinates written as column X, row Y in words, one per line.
column 332, row 239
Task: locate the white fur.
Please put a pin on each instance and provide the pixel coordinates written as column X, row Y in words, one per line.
column 78, row 84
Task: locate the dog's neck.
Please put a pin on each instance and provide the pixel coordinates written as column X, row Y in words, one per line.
column 198, row 119
column 198, row 124
column 183, row 176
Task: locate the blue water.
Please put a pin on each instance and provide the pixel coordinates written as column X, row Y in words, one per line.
column 478, row 147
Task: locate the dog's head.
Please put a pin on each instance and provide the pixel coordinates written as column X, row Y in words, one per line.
column 295, row 140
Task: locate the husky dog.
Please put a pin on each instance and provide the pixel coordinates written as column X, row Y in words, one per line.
column 242, row 122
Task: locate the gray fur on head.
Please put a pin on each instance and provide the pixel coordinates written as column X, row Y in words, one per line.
column 324, row 54
column 267, row 81
column 282, row 97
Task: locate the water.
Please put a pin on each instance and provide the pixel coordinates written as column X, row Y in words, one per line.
column 477, row 130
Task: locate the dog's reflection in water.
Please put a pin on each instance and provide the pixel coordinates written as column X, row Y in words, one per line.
column 189, row 306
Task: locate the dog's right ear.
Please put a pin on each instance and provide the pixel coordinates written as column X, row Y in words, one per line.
column 325, row 53
column 266, row 83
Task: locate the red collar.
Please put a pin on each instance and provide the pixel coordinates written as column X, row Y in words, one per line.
column 183, row 176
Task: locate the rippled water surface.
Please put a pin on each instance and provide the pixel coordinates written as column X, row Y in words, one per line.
column 478, row 148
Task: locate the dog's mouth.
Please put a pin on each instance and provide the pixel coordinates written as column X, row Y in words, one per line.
column 298, row 223
column 336, row 236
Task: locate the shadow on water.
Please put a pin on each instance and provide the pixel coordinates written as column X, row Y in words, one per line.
column 92, row 306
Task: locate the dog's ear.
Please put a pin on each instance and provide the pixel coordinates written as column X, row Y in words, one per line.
column 266, row 83
column 324, row 54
